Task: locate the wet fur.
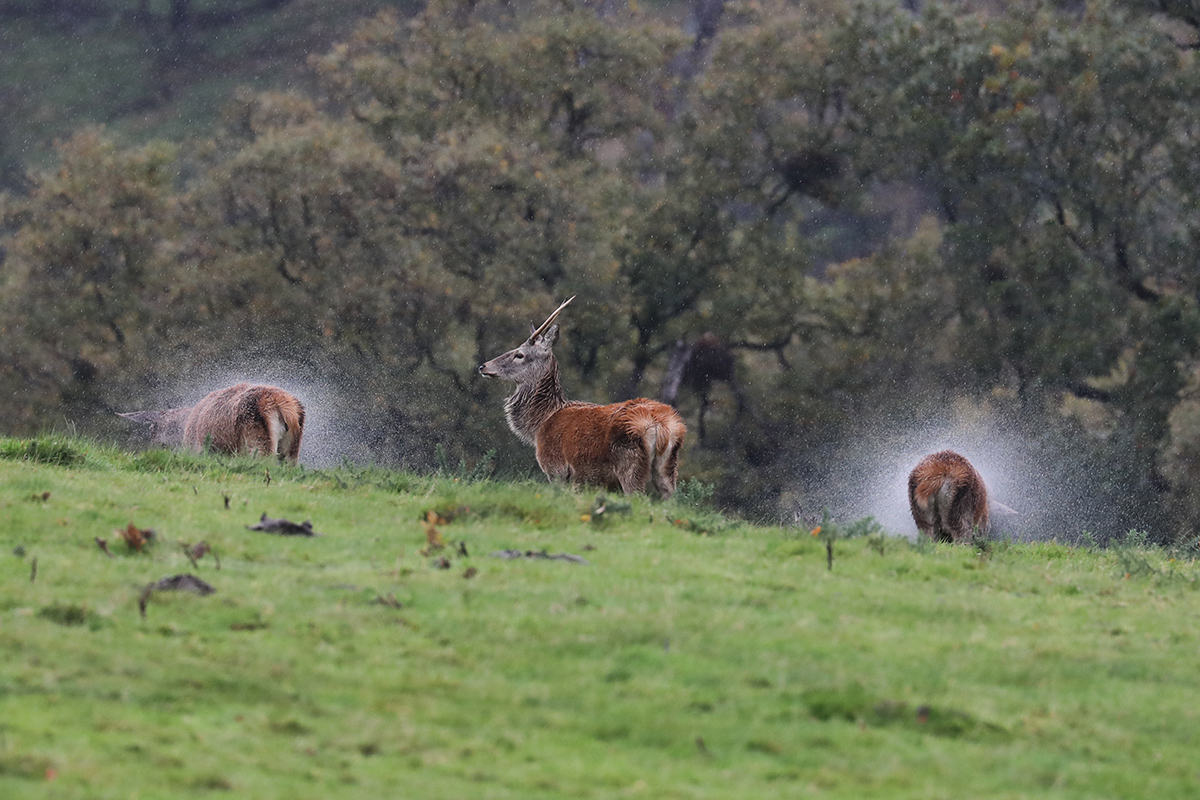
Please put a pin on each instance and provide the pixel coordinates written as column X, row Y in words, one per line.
column 246, row 419
column 619, row 446
column 948, row 498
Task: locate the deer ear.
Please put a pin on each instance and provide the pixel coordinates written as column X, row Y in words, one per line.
column 548, row 338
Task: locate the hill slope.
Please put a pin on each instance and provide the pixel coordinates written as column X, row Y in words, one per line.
column 690, row 657
column 117, row 63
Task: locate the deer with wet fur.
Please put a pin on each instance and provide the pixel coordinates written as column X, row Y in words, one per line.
column 243, row 419
column 949, row 500
column 619, row 446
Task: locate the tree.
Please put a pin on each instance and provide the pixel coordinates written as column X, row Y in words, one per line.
column 1052, row 145
column 85, row 293
column 880, row 214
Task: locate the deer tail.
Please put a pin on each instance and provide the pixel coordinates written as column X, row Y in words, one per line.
column 293, row 418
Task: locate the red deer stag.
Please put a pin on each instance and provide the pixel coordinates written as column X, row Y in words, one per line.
column 618, row 446
column 243, row 419
column 948, row 498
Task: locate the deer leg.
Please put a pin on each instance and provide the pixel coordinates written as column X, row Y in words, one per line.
column 739, row 396
column 291, row 451
column 665, row 473
column 662, row 483
column 632, row 468
column 934, row 529
column 962, row 515
column 558, row 475
column 926, row 519
column 258, row 442
column 960, row 531
column 631, row 482
column 273, row 436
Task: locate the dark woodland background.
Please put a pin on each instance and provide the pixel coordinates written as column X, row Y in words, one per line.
column 831, row 231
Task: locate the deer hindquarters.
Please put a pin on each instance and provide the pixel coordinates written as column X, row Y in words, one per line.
column 948, row 498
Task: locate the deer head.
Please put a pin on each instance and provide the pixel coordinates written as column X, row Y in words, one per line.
column 533, row 359
column 162, row 427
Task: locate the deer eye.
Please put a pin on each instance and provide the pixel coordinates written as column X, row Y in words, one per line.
column 518, row 356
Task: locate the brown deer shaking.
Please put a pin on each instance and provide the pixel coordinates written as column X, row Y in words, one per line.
column 243, row 419
column 948, row 498
column 618, row 446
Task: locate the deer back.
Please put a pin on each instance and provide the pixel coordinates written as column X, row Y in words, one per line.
column 590, row 443
column 247, row 418
column 214, row 420
column 947, row 496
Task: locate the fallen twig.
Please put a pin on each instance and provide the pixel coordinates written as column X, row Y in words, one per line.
column 542, row 554
column 173, row 583
column 283, row 527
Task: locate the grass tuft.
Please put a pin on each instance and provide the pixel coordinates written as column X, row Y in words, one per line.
column 70, row 615
column 854, row 704
column 25, row 766
column 55, row 450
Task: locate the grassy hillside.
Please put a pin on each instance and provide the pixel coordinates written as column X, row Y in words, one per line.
column 691, row 657
column 58, row 75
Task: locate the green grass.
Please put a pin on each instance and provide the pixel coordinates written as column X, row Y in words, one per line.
column 679, row 663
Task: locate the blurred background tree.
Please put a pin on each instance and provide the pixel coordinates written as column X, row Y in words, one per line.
column 870, row 218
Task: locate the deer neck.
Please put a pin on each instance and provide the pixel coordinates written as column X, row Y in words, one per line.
column 533, row 403
column 173, row 422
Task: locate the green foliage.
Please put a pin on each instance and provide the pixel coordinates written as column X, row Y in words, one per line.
column 69, row 615
column 882, row 214
column 482, row 470
column 56, row 450
column 865, row 528
column 828, row 532
column 24, row 766
column 831, row 530
column 1137, row 559
column 693, row 492
column 853, row 704
column 1179, row 459
column 84, row 296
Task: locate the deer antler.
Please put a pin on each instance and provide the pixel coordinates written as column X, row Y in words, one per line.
column 550, row 319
